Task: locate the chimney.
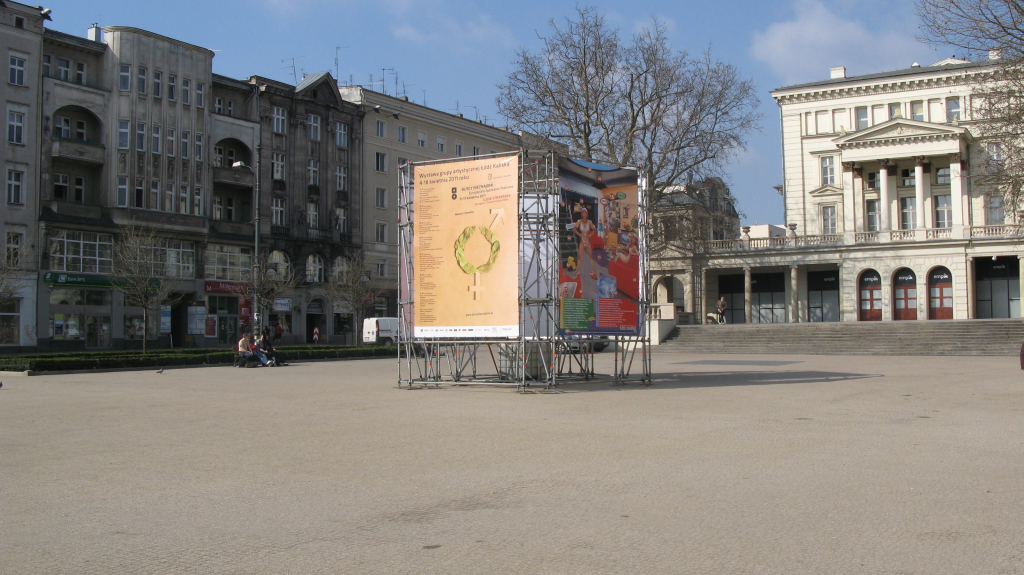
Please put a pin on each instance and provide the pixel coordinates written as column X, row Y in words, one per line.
column 837, row 72
column 94, row 33
column 995, row 54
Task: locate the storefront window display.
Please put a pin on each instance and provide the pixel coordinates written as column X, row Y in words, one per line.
column 10, row 322
column 81, row 314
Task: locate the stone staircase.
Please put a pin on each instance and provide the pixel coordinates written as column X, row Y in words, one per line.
column 966, row 337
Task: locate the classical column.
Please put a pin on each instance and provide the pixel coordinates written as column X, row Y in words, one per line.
column 956, row 189
column 748, row 295
column 1021, row 273
column 970, row 287
column 794, row 296
column 884, row 208
column 688, row 299
column 702, row 312
column 919, row 191
column 849, row 212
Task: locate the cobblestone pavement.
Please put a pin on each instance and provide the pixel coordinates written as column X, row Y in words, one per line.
column 729, row 464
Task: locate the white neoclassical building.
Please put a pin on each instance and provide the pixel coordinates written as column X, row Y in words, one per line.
column 887, row 219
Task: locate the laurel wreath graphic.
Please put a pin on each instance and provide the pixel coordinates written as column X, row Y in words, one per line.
column 460, row 246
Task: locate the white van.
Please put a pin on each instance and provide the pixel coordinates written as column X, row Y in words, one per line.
column 380, row 330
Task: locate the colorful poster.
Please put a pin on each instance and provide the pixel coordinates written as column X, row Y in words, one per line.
column 466, row 248
column 599, row 249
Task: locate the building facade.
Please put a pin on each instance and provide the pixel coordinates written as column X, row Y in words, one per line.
column 887, row 216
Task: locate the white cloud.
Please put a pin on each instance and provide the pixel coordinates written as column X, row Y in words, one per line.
column 440, row 30
column 803, row 49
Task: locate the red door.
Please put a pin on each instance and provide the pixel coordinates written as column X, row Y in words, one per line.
column 905, row 295
column 870, row 296
column 940, row 294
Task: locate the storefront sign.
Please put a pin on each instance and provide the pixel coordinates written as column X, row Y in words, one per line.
column 165, row 319
column 211, row 326
column 56, row 278
column 227, row 287
column 283, row 304
column 466, row 248
column 196, row 318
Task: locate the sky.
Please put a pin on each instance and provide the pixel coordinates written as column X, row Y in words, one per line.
column 450, row 54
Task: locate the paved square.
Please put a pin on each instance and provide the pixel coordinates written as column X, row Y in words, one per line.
column 730, row 464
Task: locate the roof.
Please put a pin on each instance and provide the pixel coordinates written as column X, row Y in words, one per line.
column 914, row 71
column 310, row 80
column 75, row 41
column 233, row 82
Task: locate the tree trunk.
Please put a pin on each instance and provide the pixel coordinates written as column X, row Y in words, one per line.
column 145, row 327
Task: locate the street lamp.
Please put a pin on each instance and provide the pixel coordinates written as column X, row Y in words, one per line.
column 257, row 89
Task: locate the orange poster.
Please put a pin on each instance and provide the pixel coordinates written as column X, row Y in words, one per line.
column 466, row 248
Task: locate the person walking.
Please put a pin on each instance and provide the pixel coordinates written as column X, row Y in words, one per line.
column 721, row 310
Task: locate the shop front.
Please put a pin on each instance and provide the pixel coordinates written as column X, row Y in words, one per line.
column 228, row 312
column 81, row 311
column 280, row 319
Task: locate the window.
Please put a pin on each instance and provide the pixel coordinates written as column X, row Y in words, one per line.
column 183, row 199
column 313, row 215
column 872, row 215
column 314, row 127
column 943, row 211
column 122, row 134
column 279, row 120
column 170, row 141
column 218, row 105
column 80, row 77
column 279, row 263
column 340, row 178
column 140, row 194
column 381, row 162
column 197, row 202
column 184, row 144
column 828, row 219
column 156, row 84
column 277, row 212
column 421, row 139
column 218, row 208
column 995, row 156
column 313, row 172
column 341, row 218
column 341, row 135
column 908, row 209
column 862, row 118
column 140, row 136
column 231, row 107
column 62, row 128
column 124, row 79
column 180, row 258
column 382, row 269
column 218, row 156
column 186, row 84
column 19, row 22
column 154, row 195
column 64, row 69
column 277, row 166
column 314, row 269
column 458, row 148
column 828, row 171
column 199, row 94
column 17, row 71
column 12, row 252
column 476, row 150
column 942, row 176
column 82, row 252
column 61, row 186
column 381, row 198
column 908, row 177
column 141, row 88
column 47, row 59
column 79, row 190
column 872, row 182
column 156, row 140
column 917, row 111
column 382, row 129
column 122, row 192
column 381, row 232
column 172, row 85
column 169, row 197
column 401, row 134
column 995, row 211
column 953, row 110
column 232, row 263
column 80, row 131
column 895, row 111
column 199, row 147
column 402, row 161
column 440, row 143
column 15, row 127
column 15, row 183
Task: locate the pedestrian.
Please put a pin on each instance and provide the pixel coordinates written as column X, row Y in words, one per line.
column 267, row 349
column 277, row 332
column 721, row 309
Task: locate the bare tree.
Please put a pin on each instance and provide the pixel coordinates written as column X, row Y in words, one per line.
column 351, row 283
column 270, row 278
column 983, row 27
column 144, row 273
column 636, row 103
column 9, row 266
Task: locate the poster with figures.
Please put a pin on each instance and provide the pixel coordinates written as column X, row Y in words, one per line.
column 466, row 248
column 599, row 249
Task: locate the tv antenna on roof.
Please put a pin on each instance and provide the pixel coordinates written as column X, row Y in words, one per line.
column 295, row 74
column 405, row 89
column 383, row 78
column 477, row 110
column 336, row 72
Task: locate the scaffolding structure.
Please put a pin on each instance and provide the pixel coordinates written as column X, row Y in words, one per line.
column 539, row 356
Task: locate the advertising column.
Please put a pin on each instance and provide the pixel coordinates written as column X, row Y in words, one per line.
column 466, row 249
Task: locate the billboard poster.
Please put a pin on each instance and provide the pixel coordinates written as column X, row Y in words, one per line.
column 466, row 248
column 599, row 249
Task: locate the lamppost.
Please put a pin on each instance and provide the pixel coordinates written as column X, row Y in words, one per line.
column 258, row 311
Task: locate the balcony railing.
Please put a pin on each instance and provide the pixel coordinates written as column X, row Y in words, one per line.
column 938, row 233
column 319, row 235
column 865, row 237
column 902, row 235
column 828, row 240
column 994, row 231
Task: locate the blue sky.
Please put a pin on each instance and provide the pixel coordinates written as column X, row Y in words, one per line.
column 454, row 52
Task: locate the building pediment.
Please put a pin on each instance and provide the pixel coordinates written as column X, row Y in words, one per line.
column 902, row 131
column 826, row 191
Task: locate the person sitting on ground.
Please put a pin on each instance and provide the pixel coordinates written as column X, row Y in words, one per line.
column 259, row 354
column 265, row 346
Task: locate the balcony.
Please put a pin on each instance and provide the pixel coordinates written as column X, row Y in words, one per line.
column 235, row 177
column 861, row 238
column 79, row 150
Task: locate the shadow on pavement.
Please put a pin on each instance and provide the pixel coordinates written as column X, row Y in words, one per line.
column 724, row 379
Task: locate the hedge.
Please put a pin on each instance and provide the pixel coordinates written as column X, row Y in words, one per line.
column 168, row 358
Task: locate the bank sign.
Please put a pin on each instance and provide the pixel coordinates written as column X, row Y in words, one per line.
column 56, row 278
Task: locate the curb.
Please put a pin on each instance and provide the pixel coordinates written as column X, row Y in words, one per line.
column 31, row 373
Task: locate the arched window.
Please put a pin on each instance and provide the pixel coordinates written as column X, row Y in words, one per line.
column 340, row 271
column 314, row 269
column 278, row 264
